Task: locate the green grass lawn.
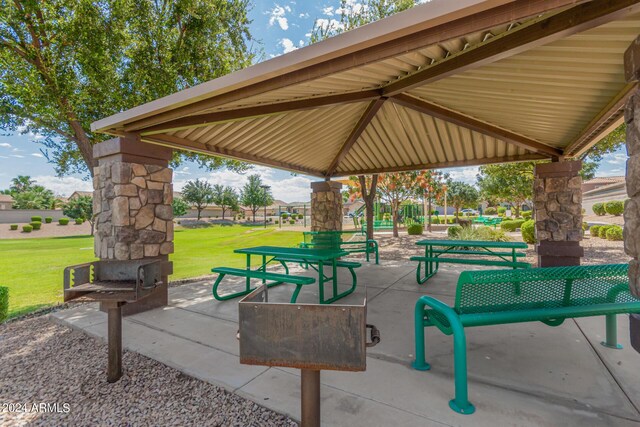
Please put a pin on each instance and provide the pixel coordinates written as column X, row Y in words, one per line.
column 32, row 268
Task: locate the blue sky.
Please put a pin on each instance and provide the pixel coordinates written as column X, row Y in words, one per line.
column 279, row 27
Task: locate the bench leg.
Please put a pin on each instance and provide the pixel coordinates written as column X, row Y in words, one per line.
column 612, row 332
column 420, row 362
column 460, row 403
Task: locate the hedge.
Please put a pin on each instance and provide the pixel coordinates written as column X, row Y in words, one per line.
column 63, row 221
column 292, row 221
column 36, row 225
column 27, row 228
column 415, row 229
column 79, row 221
column 511, row 225
column 598, row 209
column 527, row 214
column 528, row 230
column 614, row 207
column 594, row 230
column 614, row 233
column 490, row 211
column 602, row 233
column 36, row 219
column 4, row 303
column 14, row 226
column 453, row 232
column 48, row 220
column 502, row 210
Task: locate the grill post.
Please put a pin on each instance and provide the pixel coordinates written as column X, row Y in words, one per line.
column 310, row 397
column 114, row 312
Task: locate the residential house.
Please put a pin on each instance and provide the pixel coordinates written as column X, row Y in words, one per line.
column 6, row 202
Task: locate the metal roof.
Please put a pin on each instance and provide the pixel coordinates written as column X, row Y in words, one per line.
column 443, row 84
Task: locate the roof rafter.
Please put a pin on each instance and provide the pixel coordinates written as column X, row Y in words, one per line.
column 185, row 144
column 565, row 23
column 362, row 124
column 257, row 111
column 459, row 163
column 474, row 125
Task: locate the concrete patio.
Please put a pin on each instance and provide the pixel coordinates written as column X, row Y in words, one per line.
column 523, row 374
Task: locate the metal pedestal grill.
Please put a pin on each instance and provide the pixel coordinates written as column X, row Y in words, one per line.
column 310, row 337
column 113, row 284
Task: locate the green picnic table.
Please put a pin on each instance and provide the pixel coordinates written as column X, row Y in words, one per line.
column 498, row 254
column 312, row 257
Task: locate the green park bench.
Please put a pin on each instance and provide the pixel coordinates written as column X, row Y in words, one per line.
column 379, row 224
column 352, row 241
column 547, row 295
column 275, row 278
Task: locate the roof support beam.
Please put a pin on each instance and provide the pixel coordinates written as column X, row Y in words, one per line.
column 257, row 111
column 185, row 144
column 563, row 24
column 475, row 125
column 442, row 165
column 605, row 119
column 370, row 52
column 362, row 124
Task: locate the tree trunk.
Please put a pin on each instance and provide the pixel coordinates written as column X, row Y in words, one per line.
column 254, row 216
column 369, row 196
column 223, row 211
column 429, row 223
column 394, row 216
column 199, row 211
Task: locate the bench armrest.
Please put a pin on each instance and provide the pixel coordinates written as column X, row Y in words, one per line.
column 455, row 325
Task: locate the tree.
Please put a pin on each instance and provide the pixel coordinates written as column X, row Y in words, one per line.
column 80, row 207
column 254, row 196
column 27, row 195
column 198, row 193
column 462, row 195
column 226, row 198
column 65, row 64
column 431, row 184
column 395, row 188
column 179, row 207
column 508, row 182
column 366, row 189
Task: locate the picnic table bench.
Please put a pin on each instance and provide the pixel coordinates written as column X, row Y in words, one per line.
column 549, row 295
column 315, row 257
column 436, row 251
column 352, row 241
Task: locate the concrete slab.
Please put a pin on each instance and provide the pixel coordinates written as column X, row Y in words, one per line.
column 443, row 283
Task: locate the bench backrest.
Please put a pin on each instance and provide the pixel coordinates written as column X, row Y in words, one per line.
column 536, row 288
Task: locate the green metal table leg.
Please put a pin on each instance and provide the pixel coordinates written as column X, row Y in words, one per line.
column 321, row 281
column 334, row 269
column 248, row 267
column 612, row 332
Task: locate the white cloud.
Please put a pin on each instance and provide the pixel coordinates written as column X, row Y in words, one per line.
column 37, row 155
column 63, row 186
column 303, row 15
column 183, row 171
column 17, row 156
column 467, row 174
column 5, row 145
column 328, row 11
column 328, row 23
column 287, row 45
column 277, row 14
column 617, row 159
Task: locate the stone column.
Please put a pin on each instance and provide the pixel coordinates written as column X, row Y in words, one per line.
column 326, row 206
column 632, row 206
column 558, row 213
column 132, row 205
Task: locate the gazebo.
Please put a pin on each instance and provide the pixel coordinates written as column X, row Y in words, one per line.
column 445, row 84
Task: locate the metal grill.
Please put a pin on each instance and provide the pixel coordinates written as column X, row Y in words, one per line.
column 509, row 290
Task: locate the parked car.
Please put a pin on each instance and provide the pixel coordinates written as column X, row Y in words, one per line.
column 469, row 212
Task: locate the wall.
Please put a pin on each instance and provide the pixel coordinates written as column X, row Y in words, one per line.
column 17, row 216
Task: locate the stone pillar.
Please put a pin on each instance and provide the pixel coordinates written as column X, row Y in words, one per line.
column 132, row 205
column 326, row 206
column 558, row 213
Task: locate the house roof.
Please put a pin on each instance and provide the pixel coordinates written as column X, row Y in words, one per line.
column 82, row 193
column 6, row 198
column 444, row 84
column 605, row 180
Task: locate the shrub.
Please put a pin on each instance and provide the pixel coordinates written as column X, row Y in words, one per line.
column 614, row 207
column 48, row 220
column 36, row 219
column 386, row 216
column 511, row 225
column 453, row 232
column 463, row 222
column 603, row 231
column 482, row 233
column 79, row 221
column 4, row 303
column 490, row 211
column 415, row 229
column 598, row 209
column 284, row 214
column 527, row 214
column 277, row 221
column 300, row 216
column 594, row 230
column 27, row 228
column 528, row 230
column 36, row 225
column 292, row 221
column 585, row 226
column 502, row 210
column 14, row 226
column 614, row 233
column 63, row 221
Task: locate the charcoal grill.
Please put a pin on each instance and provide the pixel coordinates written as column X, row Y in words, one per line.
column 309, row 337
column 113, row 284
